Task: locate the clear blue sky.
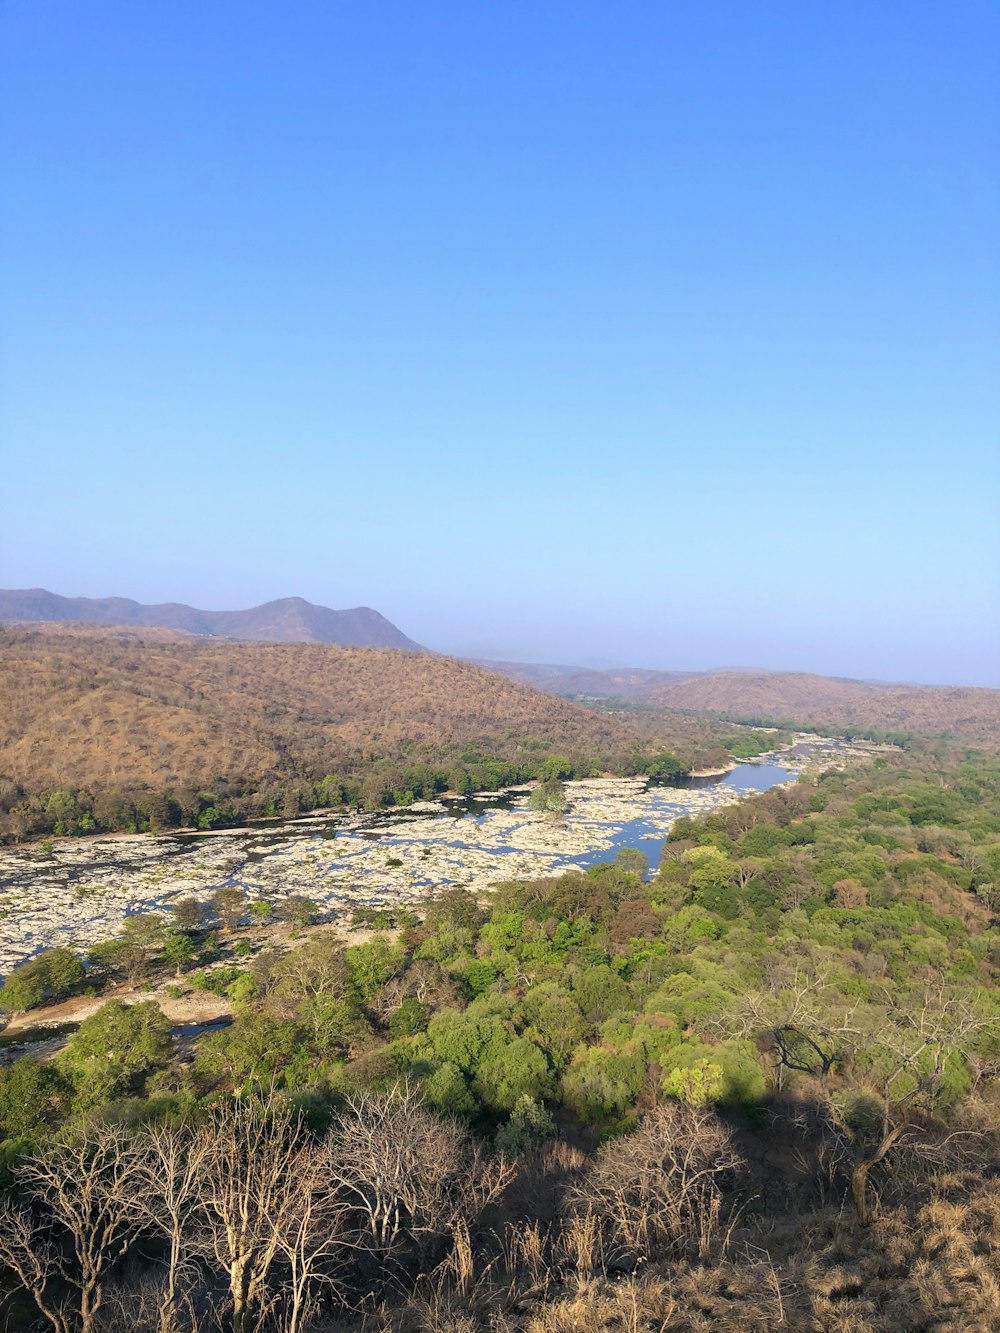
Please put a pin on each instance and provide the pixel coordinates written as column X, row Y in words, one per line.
column 652, row 333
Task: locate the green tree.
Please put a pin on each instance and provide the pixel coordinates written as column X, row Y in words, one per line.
column 601, row 1083
column 632, row 861
column 113, row 1051
column 667, row 768
column 179, row 951
column 257, row 1048
column 372, row 964
column 30, row 1093
column 512, row 1071
column 410, row 1018
column 51, row 976
column 143, row 937
column 549, row 796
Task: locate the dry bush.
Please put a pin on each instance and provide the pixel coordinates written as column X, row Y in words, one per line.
column 413, row 1182
column 662, row 1185
column 99, row 711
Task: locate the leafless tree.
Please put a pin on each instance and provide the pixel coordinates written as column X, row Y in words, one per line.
column 252, row 1159
column 662, row 1184
column 169, row 1179
column 313, row 1240
column 905, row 1059
column 82, row 1190
column 800, row 1018
column 28, row 1250
column 408, row 1175
column 890, row 1058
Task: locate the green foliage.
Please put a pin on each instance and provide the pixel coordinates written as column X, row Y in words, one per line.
column 30, row 1095
column 447, row 1090
column 549, row 795
column 113, row 1051
column 410, row 1018
column 599, row 992
column 51, row 976
column 603, row 992
column 179, row 951
column 530, row 1124
column 509, row 1071
column 667, row 768
column 371, row 965
column 297, row 910
column 697, row 1085
column 256, row 1048
column 632, row 861
column 601, row 1083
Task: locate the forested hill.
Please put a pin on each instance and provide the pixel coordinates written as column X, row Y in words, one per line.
column 288, row 620
column 781, row 696
column 829, row 701
column 97, row 711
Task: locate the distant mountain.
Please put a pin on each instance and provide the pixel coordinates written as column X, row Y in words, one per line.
column 288, row 620
column 832, row 701
column 781, row 696
column 620, row 683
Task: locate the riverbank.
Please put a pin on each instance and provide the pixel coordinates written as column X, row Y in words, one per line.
column 85, row 888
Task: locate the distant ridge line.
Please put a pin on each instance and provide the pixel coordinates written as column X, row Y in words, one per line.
column 286, row 620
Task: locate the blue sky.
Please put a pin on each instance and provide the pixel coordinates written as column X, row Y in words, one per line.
column 662, row 334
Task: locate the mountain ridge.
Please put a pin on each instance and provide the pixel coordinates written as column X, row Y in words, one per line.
column 284, row 620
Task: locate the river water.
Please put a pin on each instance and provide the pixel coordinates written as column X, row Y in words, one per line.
column 83, row 890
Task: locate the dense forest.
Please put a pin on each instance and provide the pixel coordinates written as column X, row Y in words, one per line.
column 757, row 1089
column 110, row 730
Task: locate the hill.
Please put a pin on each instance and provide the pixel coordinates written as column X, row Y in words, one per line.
column 831, row 701
column 631, row 683
column 103, row 709
column 779, row 696
column 287, row 620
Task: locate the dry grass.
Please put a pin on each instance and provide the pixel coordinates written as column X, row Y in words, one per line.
column 104, row 711
column 930, row 1268
column 806, row 698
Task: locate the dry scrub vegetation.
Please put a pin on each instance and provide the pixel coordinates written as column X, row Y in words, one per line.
column 103, row 710
column 827, row 701
column 394, row 1221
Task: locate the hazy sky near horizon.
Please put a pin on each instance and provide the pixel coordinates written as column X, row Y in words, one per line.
column 651, row 334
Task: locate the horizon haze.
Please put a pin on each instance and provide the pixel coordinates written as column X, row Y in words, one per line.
column 664, row 336
column 294, row 619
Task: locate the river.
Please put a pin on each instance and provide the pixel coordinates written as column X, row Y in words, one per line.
column 82, row 890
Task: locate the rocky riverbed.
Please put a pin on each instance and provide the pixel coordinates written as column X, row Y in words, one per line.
column 80, row 892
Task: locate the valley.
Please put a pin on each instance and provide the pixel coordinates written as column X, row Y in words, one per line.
column 76, row 892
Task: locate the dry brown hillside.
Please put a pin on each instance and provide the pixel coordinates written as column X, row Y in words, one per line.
column 90, row 708
column 800, row 697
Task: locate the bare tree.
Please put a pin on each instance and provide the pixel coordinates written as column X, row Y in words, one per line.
column 27, row 1249
column 84, row 1190
column 409, row 1176
column 169, row 1175
column 890, row 1057
column 252, row 1158
column 662, row 1184
column 312, row 1240
column 905, row 1057
column 800, row 1018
